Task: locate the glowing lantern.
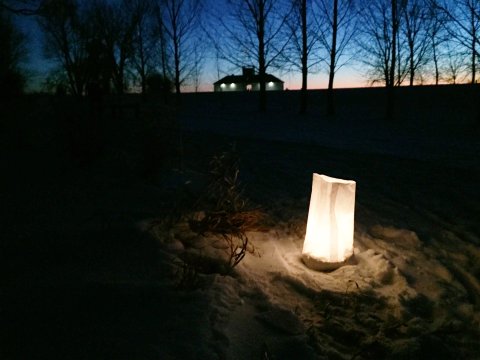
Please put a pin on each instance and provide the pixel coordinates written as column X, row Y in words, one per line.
column 329, row 238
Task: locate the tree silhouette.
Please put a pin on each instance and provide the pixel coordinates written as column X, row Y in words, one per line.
column 13, row 52
column 159, row 31
column 302, row 53
column 98, row 42
column 180, row 22
column 436, row 34
column 416, row 29
column 115, row 26
column 453, row 68
column 65, row 26
column 144, row 41
column 463, row 26
column 380, row 21
column 337, row 27
column 252, row 33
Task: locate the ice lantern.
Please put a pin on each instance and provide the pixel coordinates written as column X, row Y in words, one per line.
column 329, row 238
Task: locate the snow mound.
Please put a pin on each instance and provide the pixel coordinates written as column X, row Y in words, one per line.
column 390, row 302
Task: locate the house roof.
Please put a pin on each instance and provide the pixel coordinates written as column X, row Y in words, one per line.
column 246, row 79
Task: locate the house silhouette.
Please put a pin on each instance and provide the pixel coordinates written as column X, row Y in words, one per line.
column 248, row 81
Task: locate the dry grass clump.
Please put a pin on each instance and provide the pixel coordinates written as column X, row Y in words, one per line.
column 228, row 214
column 210, row 235
column 232, row 228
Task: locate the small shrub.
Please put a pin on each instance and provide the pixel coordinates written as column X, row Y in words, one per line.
column 228, row 213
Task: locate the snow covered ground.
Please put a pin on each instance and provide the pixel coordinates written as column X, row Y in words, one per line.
column 413, row 291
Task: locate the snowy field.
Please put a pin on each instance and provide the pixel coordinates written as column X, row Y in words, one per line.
column 91, row 271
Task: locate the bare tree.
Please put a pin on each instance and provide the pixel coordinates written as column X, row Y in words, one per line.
column 464, row 27
column 302, row 52
column 253, row 34
column 338, row 25
column 436, row 34
column 454, row 67
column 378, row 40
column 145, row 41
column 13, row 53
column 160, row 33
column 379, row 44
column 63, row 22
column 403, row 54
column 198, row 63
column 180, row 23
column 305, row 51
column 116, row 25
column 395, row 21
column 97, row 44
column 416, row 30
column 395, row 24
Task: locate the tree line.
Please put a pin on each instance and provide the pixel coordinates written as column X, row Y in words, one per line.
column 118, row 44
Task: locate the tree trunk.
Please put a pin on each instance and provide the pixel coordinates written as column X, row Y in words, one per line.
column 474, row 43
column 394, row 43
column 412, row 65
column 474, row 60
column 262, row 106
column 71, row 81
column 304, row 94
column 435, row 63
column 391, row 82
column 176, row 56
column 333, row 57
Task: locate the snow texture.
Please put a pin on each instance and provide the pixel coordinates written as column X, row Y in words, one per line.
column 412, row 291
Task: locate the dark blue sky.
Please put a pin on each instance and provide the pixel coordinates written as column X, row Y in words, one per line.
column 39, row 67
column 35, row 62
column 348, row 76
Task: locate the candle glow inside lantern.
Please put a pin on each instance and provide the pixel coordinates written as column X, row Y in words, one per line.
column 329, row 237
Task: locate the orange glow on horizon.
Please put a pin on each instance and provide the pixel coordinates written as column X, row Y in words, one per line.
column 293, row 81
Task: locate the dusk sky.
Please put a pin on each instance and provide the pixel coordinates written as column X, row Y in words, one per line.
column 352, row 74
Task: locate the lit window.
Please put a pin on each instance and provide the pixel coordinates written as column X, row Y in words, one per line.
column 270, row 84
column 232, row 85
column 223, row 86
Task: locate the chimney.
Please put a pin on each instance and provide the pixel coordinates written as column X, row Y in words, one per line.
column 248, row 72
